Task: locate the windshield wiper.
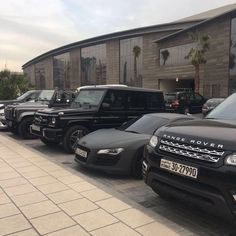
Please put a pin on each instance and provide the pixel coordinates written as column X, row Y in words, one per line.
column 132, row 131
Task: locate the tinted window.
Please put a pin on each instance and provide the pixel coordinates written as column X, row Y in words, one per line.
column 24, row 95
column 226, row 110
column 136, row 101
column 154, row 101
column 146, row 125
column 89, row 97
column 198, row 97
column 46, row 95
column 116, row 100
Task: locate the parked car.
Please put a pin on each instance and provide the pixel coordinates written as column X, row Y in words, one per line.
column 210, row 104
column 120, row 150
column 27, row 96
column 20, row 116
column 184, row 102
column 97, row 86
column 94, row 108
column 196, row 161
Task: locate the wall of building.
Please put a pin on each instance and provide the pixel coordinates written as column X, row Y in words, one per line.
column 75, row 76
column 30, row 74
column 215, row 72
column 48, row 64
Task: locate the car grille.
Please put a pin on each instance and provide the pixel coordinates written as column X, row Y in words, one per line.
column 195, row 152
column 8, row 113
column 40, row 120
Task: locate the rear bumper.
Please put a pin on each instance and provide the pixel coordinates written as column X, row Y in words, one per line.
column 212, row 191
column 47, row 133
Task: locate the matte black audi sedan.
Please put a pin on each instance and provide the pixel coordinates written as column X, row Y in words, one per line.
column 120, row 150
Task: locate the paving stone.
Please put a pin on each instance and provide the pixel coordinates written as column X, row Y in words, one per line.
column 64, row 196
column 39, row 209
column 8, row 209
column 28, row 198
column 28, row 232
column 6, row 169
column 13, row 182
column 20, row 164
column 82, row 186
column 48, row 167
column 43, row 180
column 70, row 179
column 50, row 223
column 26, row 169
column 117, row 229
column 95, row 219
column 72, row 231
column 113, row 205
column 34, row 174
column 21, row 189
column 156, row 228
column 52, row 188
column 13, row 224
column 9, row 175
column 78, row 206
column 96, row 195
column 133, row 217
column 4, row 199
column 60, row 173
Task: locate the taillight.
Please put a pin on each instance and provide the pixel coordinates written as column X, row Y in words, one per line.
column 175, row 103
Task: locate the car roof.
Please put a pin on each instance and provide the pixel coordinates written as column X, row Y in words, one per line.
column 121, row 88
column 169, row 116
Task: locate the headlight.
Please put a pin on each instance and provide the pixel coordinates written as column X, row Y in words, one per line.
column 53, row 120
column 112, row 151
column 231, row 160
column 153, row 141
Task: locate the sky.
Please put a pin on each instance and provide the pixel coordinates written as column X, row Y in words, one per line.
column 29, row 28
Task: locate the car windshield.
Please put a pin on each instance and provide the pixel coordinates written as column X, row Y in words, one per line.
column 46, row 95
column 225, row 110
column 24, row 95
column 146, row 124
column 88, row 97
column 170, row 97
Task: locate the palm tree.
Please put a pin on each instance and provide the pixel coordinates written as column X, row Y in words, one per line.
column 197, row 55
column 136, row 52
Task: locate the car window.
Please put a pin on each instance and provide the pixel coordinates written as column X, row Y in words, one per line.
column 33, row 96
column 198, row 97
column 116, row 100
column 184, row 96
column 136, row 101
column 24, row 95
column 154, row 100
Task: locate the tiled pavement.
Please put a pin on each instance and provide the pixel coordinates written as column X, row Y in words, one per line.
column 38, row 197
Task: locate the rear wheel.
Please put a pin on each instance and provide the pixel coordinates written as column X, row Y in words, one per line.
column 136, row 168
column 49, row 142
column 24, row 128
column 72, row 135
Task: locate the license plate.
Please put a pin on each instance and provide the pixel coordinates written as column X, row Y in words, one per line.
column 179, row 168
column 81, row 152
column 35, row 127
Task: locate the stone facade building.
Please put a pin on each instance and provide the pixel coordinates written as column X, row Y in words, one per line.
column 150, row 57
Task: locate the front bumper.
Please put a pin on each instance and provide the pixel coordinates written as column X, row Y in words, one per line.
column 47, row 133
column 113, row 164
column 212, row 191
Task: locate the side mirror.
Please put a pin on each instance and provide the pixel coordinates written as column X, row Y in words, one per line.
column 106, row 106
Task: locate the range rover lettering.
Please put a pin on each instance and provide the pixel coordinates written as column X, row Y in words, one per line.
column 196, row 160
column 94, row 108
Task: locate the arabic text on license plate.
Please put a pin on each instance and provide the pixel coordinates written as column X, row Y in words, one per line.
column 81, row 152
column 35, row 127
column 179, row 168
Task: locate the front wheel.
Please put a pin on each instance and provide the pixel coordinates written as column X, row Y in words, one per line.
column 24, row 128
column 136, row 168
column 72, row 135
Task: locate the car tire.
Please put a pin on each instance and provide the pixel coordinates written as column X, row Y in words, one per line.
column 24, row 128
column 49, row 142
column 136, row 168
column 72, row 134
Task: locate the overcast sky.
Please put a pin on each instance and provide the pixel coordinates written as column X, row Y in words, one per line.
column 29, row 28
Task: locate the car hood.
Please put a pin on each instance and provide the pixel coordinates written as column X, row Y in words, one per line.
column 38, row 104
column 67, row 111
column 219, row 134
column 112, row 138
column 7, row 102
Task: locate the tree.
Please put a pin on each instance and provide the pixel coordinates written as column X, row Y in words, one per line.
column 136, row 52
column 13, row 84
column 197, row 55
column 165, row 54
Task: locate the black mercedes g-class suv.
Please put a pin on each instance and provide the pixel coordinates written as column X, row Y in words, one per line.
column 20, row 116
column 196, row 160
column 94, row 108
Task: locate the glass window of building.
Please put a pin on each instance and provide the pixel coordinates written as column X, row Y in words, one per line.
column 93, row 65
column 175, row 56
column 40, row 82
column 61, row 71
column 131, row 61
column 232, row 58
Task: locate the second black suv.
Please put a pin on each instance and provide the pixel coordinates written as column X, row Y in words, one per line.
column 184, row 102
column 94, row 108
column 20, row 116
